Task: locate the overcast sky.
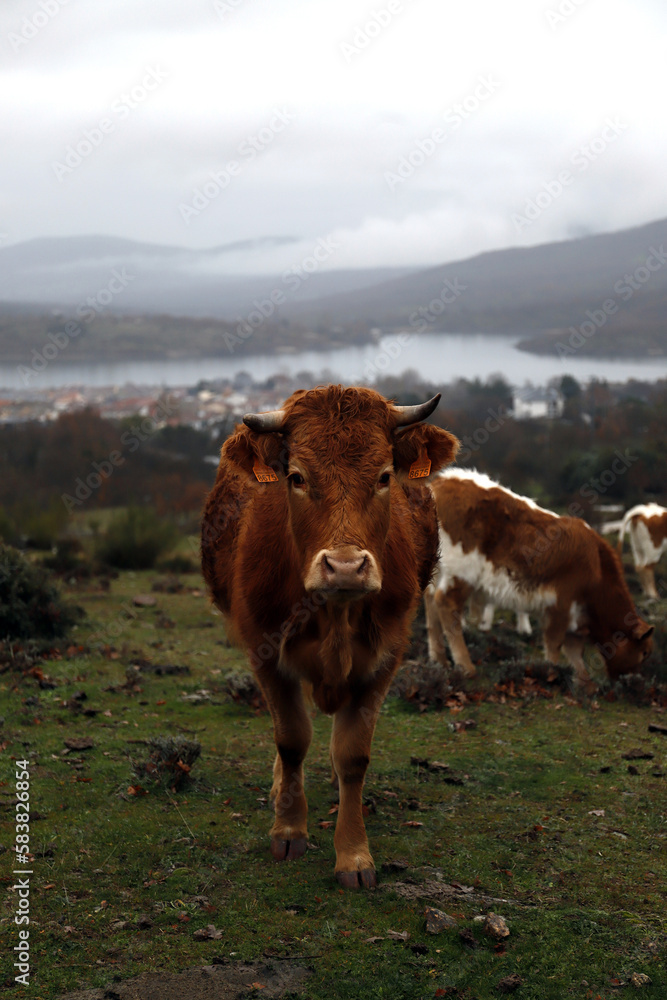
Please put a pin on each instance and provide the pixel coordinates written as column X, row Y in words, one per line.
column 404, row 132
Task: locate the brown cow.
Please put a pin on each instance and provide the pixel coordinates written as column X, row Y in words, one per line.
column 529, row 559
column 647, row 526
column 317, row 541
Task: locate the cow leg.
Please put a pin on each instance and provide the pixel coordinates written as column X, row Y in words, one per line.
column 523, row 625
column 292, row 730
column 486, row 620
column 437, row 651
column 351, row 737
column 573, row 647
column 556, row 621
column 450, row 604
column 646, row 576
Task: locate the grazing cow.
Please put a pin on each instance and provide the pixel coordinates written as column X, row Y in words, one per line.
column 647, row 526
column 318, row 540
column 527, row 558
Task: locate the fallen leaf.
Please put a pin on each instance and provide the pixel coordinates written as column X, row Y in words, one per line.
column 596, row 812
column 412, row 822
column 136, row 790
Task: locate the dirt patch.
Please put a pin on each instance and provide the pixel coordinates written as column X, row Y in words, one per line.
column 207, row 982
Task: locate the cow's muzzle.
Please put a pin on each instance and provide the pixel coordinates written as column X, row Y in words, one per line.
column 344, row 573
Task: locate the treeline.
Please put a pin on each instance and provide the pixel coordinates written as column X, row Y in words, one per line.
column 81, row 462
column 609, row 447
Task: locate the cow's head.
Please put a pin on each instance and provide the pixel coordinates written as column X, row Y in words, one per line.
column 340, row 455
column 627, row 649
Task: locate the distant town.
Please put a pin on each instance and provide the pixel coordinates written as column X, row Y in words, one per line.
column 203, row 405
column 207, row 404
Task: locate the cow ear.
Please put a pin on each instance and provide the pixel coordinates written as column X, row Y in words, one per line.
column 244, row 447
column 643, row 631
column 416, row 446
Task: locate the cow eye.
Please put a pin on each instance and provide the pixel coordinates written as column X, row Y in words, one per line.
column 384, row 479
column 297, row 480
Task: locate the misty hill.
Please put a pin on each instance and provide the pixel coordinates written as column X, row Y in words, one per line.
column 538, row 291
column 61, row 272
column 179, row 302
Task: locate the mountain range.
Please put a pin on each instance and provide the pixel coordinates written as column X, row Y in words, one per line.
column 606, row 294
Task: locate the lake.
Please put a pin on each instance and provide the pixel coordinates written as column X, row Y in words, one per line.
column 438, row 357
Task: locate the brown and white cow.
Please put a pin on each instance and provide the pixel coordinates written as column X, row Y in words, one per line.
column 529, row 559
column 318, row 539
column 647, row 526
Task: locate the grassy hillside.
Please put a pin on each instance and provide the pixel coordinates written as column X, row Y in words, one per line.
column 542, row 817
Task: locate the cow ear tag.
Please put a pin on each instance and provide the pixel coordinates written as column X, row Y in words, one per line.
column 421, row 468
column 263, row 473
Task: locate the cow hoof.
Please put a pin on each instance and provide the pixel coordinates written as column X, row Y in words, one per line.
column 365, row 879
column 288, row 850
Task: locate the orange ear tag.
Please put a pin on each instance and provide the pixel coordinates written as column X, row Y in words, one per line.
column 263, row 473
column 420, row 468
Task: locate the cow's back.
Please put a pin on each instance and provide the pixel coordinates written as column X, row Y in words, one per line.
column 501, row 542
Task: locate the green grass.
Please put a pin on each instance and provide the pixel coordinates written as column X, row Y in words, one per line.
column 585, row 893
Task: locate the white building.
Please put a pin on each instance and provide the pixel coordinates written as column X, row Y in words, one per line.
column 530, row 403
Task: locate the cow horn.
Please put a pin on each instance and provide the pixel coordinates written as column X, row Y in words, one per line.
column 413, row 414
column 272, row 420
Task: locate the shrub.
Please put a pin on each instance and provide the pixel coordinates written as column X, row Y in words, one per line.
column 7, row 528
column 135, row 539
column 31, row 606
column 178, row 564
column 41, row 528
column 67, row 558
